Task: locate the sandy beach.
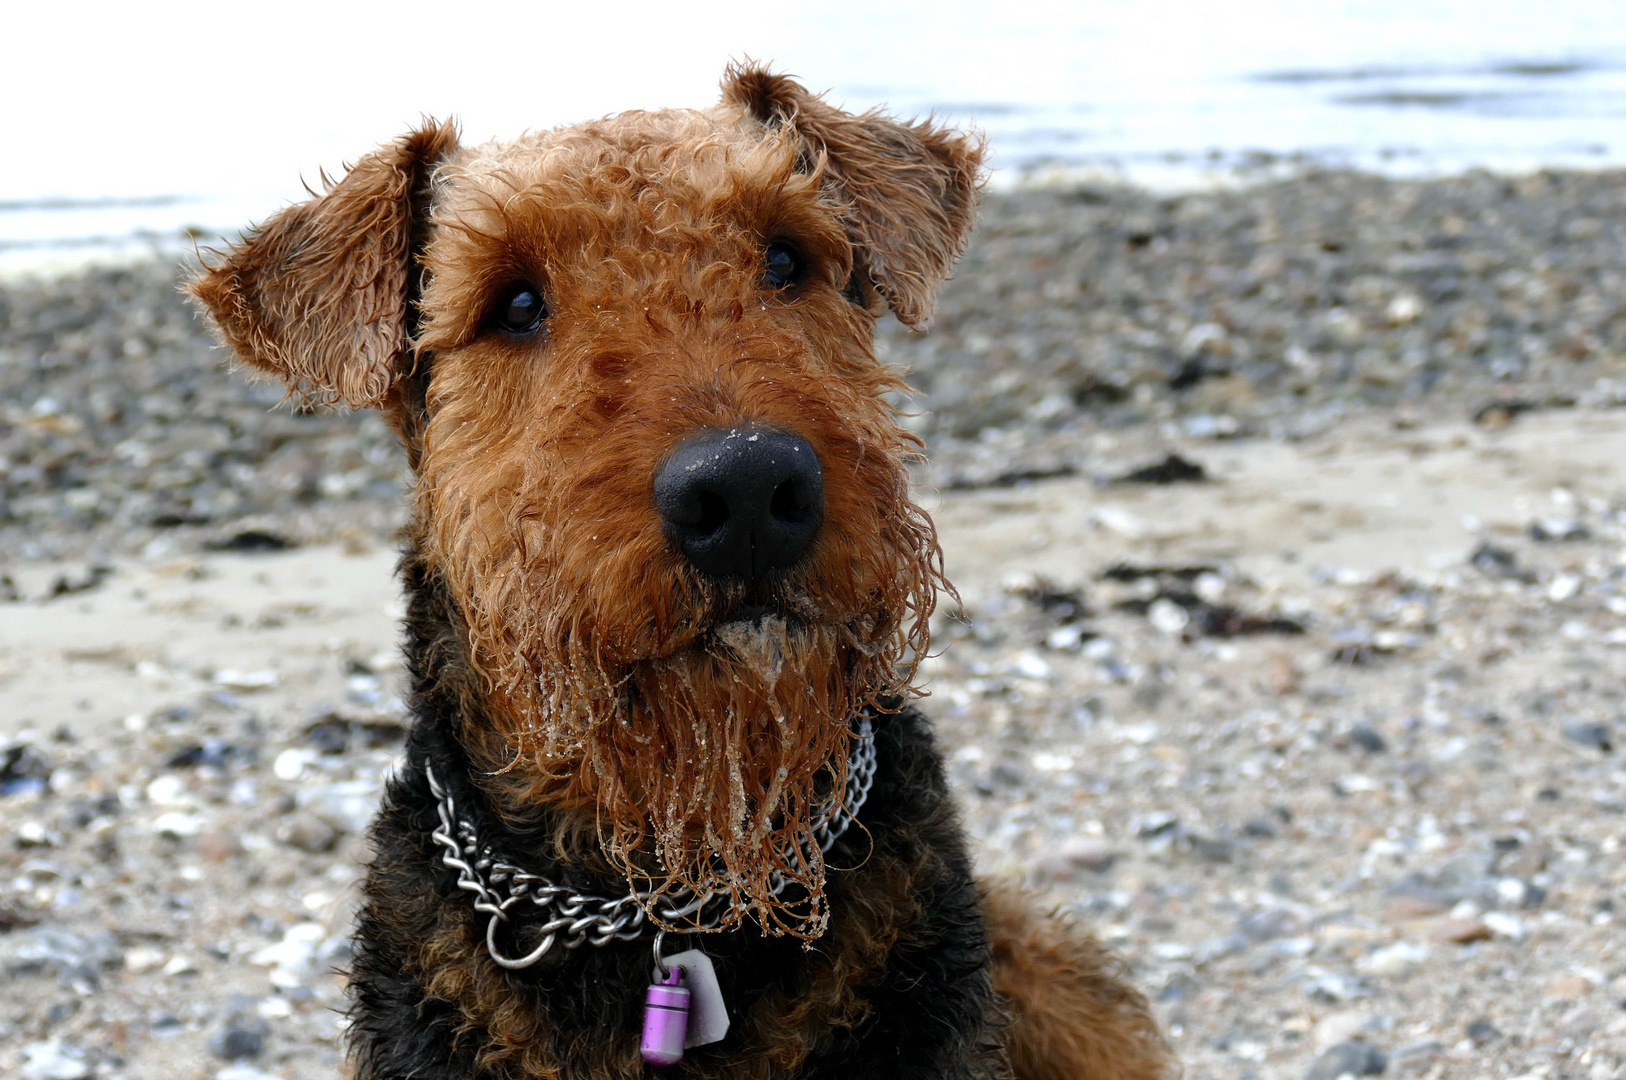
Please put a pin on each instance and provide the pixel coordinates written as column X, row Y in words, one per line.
column 1289, row 528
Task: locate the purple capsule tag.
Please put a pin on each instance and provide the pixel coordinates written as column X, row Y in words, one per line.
column 666, row 1018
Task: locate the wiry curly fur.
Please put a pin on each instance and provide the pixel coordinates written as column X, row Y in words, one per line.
column 604, row 712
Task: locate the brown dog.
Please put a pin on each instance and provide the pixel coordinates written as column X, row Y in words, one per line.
column 667, row 587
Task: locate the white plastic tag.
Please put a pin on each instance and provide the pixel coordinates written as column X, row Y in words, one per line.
column 708, row 1016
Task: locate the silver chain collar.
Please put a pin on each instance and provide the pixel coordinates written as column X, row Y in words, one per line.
column 574, row 918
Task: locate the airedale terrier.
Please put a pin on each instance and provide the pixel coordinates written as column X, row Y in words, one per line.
column 665, row 803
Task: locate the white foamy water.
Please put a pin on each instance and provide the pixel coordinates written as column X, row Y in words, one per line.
column 143, row 124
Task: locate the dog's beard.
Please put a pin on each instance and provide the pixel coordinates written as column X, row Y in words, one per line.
column 712, row 768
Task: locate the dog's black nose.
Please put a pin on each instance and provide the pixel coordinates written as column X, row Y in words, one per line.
column 741, row 503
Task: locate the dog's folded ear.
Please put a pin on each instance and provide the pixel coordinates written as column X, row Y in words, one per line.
column 318, row 295
column 911, row 187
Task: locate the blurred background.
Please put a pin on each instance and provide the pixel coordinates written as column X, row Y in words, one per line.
column 139, row 121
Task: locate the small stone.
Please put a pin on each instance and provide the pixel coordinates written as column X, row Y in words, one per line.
column 1572, row 986
column 54, row 1060
column 1167, row 616
column 1340, row 1027
column 1218, row 948
column 1269, row 923
column 309, row 833
column 1367, row 738
column 328, row 736
column 1173, row 469
column 1417, row 1056
column 1259, row 828
column 214, row 753
column 1460, row 931
column 23, row 771
column 1498, row 563
column 1504, row 925
column 291, row 763
column 177, row 825
column 348, row 804
column 1552, row 530
column 1212, row 848
column 244, row 1072
column 1407, row 907
column 52, row 950
column 232, row 679
column 1352, row 1058
column 1079, row 853
column 1581, row 1021
column 1595, row 735
column 1156, row 824
column 143, row 958
column 1397, row 960
column 218, row 845
column 1482, row 1031
column 241, row 1035
column 35, row 834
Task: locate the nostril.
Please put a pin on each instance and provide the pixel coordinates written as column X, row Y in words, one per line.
column 790, row 501
column 713, row 512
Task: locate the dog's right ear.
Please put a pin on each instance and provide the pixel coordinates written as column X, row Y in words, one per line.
column 318, row 295
column 910, row 187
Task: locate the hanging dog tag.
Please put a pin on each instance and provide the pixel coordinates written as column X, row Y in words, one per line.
column 708, row 1016
column 666, row 1018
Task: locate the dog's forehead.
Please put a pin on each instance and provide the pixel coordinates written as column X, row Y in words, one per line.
column 680, row 157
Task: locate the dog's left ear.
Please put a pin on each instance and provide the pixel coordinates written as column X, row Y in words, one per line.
column 911, row 186
column 318, row 295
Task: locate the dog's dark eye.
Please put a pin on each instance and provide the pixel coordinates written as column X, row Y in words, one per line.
column 782, row 266
column 520, row 311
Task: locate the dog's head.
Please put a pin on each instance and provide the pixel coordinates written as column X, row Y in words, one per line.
column 658, row 470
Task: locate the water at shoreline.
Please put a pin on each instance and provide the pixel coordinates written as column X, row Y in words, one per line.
column 1184, row 95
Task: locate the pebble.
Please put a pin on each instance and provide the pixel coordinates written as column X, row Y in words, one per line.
column 1589, row 733
column 1218, row 948
column 242, row 1033
column 1269, row 923
column 1354, row 1058
column 244, row 1072
column 1572, row 986
column 1157, row 823
column 348, row 804
column 1340, row 1027
column 1417, row 1056
column 295, row 958
column 53, row 950
column 177, row 824
column 1368, row 738
column 1397, row 960
column 144, row 958
column 54, row 1060
column 1459, row 931
column 1077, row 853
column 309, row 833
